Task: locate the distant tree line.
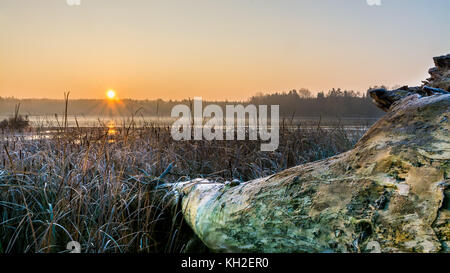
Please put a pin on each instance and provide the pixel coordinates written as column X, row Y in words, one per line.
column 334, row 103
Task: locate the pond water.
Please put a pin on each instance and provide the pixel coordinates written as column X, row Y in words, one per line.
column 46, row 127
column 53, row 121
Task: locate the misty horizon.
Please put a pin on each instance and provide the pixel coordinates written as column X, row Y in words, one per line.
column 334, row 103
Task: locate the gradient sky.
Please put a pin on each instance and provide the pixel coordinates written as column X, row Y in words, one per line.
column 218, row 49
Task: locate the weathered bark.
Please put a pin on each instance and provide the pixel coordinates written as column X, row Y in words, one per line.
column 386, row 194
column 440, row 74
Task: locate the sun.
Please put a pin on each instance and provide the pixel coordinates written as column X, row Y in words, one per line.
column 111, row 94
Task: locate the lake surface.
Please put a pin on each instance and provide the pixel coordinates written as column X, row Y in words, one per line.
column 46, row 127
column 52, row 121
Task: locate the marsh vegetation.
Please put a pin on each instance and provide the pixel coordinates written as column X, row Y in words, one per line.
column 99, row 186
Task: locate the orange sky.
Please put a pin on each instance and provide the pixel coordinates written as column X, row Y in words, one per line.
column 214, row 49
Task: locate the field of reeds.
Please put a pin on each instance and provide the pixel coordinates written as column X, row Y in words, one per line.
column 98, row 186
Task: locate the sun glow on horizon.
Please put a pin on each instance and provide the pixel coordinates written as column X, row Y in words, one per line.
column 111, row 94
column 173, row 50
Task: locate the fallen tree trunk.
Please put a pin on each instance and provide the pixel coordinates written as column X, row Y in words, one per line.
column 385, row 195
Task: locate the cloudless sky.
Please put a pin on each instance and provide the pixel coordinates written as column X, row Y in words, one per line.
column 218, row 49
